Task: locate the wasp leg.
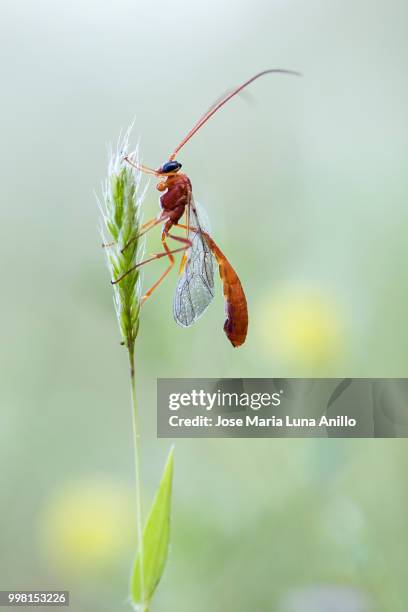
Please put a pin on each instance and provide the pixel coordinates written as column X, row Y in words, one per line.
column 146, row 227
column 166, row 253
column 169, row 253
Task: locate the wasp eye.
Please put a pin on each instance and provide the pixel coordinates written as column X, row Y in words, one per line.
column 170, row 166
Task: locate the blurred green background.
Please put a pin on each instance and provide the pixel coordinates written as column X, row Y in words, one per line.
column 305, row 183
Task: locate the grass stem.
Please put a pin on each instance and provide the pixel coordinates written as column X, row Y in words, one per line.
column 138, row 475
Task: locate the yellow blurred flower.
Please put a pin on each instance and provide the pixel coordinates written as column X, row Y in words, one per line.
column 85, row 526
column 302, row 326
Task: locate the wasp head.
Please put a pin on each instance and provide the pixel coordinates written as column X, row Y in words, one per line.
column 169, row 167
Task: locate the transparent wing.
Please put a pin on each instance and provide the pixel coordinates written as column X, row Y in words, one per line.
column 195, row 287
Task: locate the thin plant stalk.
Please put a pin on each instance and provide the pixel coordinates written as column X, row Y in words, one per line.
column 138, row 475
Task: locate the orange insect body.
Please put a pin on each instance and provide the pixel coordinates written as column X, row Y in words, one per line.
column 236, row 323
column 173, row 203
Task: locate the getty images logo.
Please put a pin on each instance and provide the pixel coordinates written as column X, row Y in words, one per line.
column 222, row 399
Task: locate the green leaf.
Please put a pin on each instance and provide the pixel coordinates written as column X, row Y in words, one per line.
column 156, row 538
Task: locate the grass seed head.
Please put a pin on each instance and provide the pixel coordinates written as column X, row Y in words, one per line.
column 121, row 205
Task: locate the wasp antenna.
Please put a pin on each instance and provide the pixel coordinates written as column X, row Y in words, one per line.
column 140, row 167
column 223, row 101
